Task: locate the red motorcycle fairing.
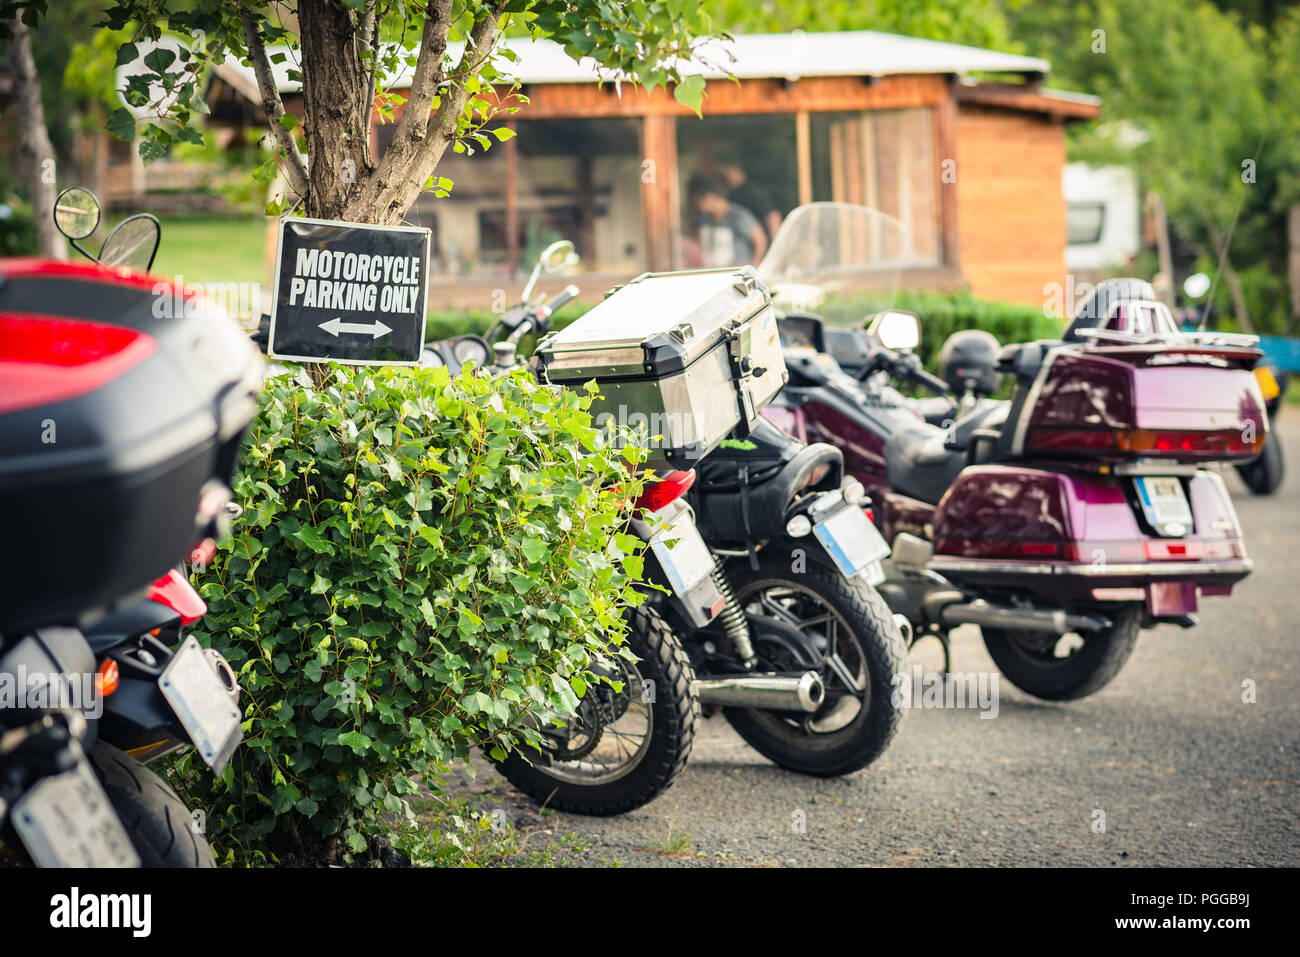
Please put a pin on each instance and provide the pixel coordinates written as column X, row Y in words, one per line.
column 175, row 592
column 1082, row 536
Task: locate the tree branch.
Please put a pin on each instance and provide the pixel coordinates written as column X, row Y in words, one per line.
column 428, row 73
column 295, row 165
column 370, row 40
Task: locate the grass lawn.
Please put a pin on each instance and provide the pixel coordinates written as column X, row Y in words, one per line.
column 214, row 249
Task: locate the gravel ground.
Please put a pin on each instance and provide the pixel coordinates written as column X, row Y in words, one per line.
column 1185, row 772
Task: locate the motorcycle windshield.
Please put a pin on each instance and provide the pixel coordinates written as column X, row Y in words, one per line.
column 840, row 259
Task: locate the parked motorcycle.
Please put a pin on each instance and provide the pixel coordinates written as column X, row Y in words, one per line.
column 780, row 626
column 120, row 437
column 1064, row 521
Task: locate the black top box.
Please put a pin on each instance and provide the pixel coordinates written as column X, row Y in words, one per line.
column 123, row 403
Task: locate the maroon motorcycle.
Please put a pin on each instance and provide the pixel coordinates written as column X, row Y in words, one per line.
column 1065, row 520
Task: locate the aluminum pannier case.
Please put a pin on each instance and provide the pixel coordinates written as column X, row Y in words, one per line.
column 687, row 358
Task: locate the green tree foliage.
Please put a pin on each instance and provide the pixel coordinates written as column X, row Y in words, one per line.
column 424, row 566
column 975, row 22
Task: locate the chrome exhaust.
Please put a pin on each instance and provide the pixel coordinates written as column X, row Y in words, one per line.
column 772, row 691
column 1020, row 619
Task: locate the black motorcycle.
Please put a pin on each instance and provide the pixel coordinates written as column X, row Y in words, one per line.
column 107, row 680
column 779, row 619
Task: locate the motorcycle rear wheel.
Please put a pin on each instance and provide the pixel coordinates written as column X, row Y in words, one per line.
column 1030, row 663
column 836, row 739
column 160, row 826
column 657, row 732
column 1264, row 474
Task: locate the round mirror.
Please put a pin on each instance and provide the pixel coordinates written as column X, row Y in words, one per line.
column 76, row 212
column 1196, row 285
column 559, row 255
column 896, row 330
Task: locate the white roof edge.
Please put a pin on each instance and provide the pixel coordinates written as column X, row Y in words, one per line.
column 788, row 56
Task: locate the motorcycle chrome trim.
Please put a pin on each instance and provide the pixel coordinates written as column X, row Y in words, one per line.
column 1157, row 468
column 1142, row 569
column 1056, row 621
column 771, row 692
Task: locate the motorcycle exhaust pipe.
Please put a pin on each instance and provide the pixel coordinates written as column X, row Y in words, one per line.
column 772, row 691
column 1020, row 619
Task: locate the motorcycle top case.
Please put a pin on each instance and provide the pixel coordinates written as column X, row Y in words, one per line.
column 687, row 357
column 123, row 403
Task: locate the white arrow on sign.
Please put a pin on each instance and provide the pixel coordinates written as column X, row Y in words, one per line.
column 374, row 329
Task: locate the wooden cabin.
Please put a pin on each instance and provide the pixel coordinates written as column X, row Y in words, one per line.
column 964, row 146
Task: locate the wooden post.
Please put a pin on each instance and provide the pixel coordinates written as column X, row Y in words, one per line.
column 945, row 137
column 803, row 156
column 1164, row 281
column 662, row 220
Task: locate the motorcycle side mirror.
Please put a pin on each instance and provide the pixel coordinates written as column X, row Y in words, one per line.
column 76, row 213
column 134, row 243
column 1196, row 285
column 895, row 330
column 557, row 256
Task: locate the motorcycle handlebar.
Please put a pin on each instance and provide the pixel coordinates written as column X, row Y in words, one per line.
column 931, row 382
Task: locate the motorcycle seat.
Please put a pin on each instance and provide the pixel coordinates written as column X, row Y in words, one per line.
column 989, row 414
column 918, row 465
column 936, row 410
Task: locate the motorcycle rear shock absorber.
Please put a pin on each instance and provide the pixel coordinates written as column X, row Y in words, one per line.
column 733, row 618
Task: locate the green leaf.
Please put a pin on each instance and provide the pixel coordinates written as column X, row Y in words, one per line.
column 159, row 59
column 690, row 92
column 121, row 123
column 288, row 121
column 355, row 740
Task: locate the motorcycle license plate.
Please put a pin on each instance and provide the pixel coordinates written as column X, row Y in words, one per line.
column 67, row 821
column 688, row 561
column 1165, row 503
column 197, row 695
column 852, row 540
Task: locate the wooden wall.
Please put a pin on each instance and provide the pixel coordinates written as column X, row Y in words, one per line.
column 1010, row 204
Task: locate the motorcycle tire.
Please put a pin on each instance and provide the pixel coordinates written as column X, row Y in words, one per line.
column 160, row 826
column 1089, row 669
column 876, row 643
column 1264, row 473
column 673, row 711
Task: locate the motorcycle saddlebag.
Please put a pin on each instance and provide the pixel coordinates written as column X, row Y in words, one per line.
column 684, row 357
column 123, row 402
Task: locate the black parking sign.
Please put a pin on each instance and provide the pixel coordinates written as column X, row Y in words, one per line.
column 350, row 293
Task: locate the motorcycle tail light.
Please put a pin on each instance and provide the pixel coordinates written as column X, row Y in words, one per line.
column 1157, row 441
column 1164, row 550
column 666, row 490
column 1071, row 440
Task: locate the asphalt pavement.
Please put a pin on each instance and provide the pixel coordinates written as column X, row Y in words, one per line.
column 1171, row 764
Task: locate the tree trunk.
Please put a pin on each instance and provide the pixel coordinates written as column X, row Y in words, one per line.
column 1231, row 278
column 337, row 126
column 34, row 144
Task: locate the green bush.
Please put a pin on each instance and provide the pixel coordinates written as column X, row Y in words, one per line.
column 424, row 566
column 17, row 231
column 941, row 315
